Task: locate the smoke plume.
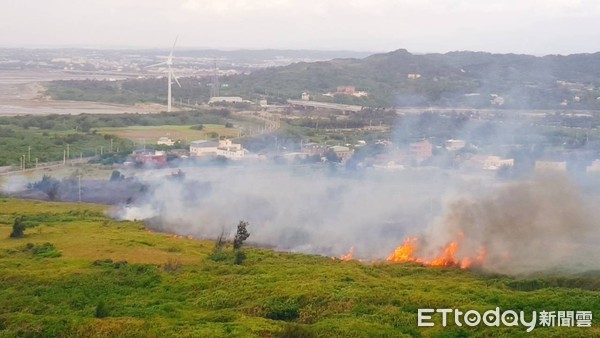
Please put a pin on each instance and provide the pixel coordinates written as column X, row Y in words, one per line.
column 523, row 226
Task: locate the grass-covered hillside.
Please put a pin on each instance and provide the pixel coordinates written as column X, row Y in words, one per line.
column 78, row 273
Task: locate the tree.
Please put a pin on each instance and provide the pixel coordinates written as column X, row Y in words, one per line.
column 18, row 228
column 49, row 185
column 116, row 176
column 241, row 235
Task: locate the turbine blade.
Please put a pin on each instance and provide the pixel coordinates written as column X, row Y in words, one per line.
column 172, row 49
column 175, row 77
column 156, row 64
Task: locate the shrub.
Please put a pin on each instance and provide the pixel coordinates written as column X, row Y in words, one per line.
column 101, row 310
column 18, row 230
column 46, row 250
column 172, row 267
column 217, row 253
column 239, row 257
column 283, row 309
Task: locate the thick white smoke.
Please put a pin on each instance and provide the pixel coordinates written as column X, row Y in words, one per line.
column 303, row 209
column 524, row 226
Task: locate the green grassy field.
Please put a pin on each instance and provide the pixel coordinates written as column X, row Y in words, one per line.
column 183, row 133
column 101, row 277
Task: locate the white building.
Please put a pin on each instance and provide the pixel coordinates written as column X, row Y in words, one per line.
column 225, row 99
column 230, row 150
column 453, row 145
column 203, row 148
column 496, row 162
column 225, row 148
column 165, row 141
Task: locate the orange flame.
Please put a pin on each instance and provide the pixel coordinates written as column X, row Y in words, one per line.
column 348, row 256
column 447, row 257
column 405, row 252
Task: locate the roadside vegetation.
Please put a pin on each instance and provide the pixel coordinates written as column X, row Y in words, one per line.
column 50, row 136
column 76, row 272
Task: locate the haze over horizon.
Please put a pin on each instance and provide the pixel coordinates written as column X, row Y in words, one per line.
column 529, row 26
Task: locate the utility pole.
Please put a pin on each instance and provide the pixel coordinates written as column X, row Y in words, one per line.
column 64, row 157
column 111, row 145
column 79, row 184
column 68, row 152
column 29, row 154
column 36, row 162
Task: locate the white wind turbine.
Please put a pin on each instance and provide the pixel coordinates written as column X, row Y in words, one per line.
column 171, row 75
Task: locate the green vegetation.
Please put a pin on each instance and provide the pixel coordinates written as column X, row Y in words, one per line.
column 185, row 133
column 48, row 146
column 89, row 135
column 18, row 229
column 85, row 275
column 86, row 122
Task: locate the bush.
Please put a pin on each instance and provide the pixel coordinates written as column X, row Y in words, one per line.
column 101, row 310
column 46, row 250
column 116, row 176
column 18, row 230
column 48, row 185
column 283, row 309
column 217, row 254
column 172, row 267
column 239, row 257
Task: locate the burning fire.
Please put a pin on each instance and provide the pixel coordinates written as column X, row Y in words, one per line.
column 447, row 257
column 348, row 256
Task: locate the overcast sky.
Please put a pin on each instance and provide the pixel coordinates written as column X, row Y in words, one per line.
column 520, row 26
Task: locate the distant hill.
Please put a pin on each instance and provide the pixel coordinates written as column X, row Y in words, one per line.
column 455, row 79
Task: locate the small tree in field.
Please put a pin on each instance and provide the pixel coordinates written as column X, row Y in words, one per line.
column 241, row 235
column 18, row 230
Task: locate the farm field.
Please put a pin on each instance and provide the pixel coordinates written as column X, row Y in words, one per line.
column 78, row 273
column 184, row 133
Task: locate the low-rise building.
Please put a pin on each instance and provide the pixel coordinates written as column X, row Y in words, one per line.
column 496, row 162
column 230, row 150
column 454, row 145
column 312, row 149
column 225, row 99
column 225, row 148
column 203, row 148
column 342, row 152
column 165, row 141
column 421, row 151
column 150, row 158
